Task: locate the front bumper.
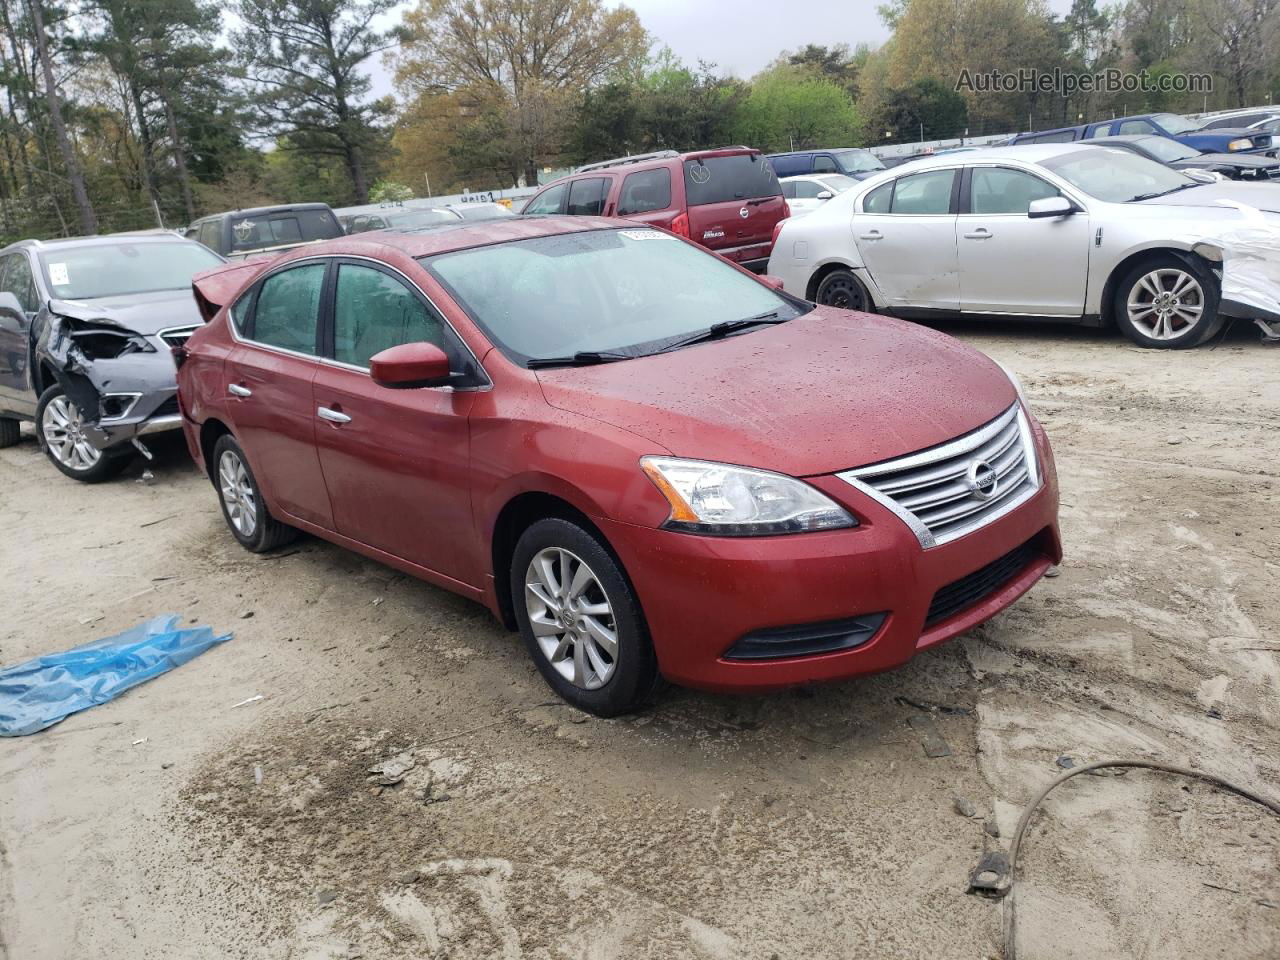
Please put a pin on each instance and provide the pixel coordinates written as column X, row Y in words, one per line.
column 702, row 595
column 150, row 413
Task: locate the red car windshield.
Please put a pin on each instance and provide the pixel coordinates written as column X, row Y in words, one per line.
column 628, row 291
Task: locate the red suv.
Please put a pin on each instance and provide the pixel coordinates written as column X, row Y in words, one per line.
column 728, row 200
column 646, row 459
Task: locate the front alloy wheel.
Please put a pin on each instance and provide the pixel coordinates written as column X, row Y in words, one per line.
column 1166, row 304
column 61, row 430
column 571, row 618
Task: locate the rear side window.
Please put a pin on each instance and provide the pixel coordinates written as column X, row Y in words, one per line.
column 645, row 191
column 373, row 310
column 295, row 226
column 742, row 176
column 1062, row 136
column 288, row 304
column 1136, row 126
column 878, row 200
column 923, row 194
column 209, row 231
column 547, row 202
column 586, row 197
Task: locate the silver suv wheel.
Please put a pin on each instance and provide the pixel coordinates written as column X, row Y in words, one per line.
column 63, row 430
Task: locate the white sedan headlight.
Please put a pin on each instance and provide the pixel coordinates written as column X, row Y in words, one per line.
column 1244, row 143
column 721, row 499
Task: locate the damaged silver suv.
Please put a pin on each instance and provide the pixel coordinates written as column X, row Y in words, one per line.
column 87, row 330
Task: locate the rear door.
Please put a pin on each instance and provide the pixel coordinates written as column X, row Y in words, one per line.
column 734, row 202
column 396, row 462
column 906, row 235
column 269, row 378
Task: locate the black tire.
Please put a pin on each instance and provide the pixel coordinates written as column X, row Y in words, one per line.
column 1176, row 331
column 265, row 532
column 109, row 462
column 10, row 432
column 632, row 675
column 842, row 289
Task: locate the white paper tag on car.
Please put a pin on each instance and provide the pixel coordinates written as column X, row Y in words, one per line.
column 58, row 275
column 646, row 235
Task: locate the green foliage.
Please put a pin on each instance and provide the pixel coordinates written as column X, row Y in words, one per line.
column 791, row 107
column 927, row 107
column 388, row 191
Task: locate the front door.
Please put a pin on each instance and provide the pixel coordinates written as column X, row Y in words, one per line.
column 1010, row 263
column 16, row 394
column 396, row 462
column 269, row 383
column 906, row 237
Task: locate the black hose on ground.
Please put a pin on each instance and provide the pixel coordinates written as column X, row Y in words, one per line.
column 1010, row 913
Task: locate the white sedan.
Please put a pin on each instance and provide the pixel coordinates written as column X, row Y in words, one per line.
column 806, row 194
column 1043, row 231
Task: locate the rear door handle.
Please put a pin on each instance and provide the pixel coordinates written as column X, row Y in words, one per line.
column 872, row 235
column 333, row 416
column 982, row 233
column 238, row 391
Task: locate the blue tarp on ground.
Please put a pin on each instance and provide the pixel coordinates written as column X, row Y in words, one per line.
column 37, row 694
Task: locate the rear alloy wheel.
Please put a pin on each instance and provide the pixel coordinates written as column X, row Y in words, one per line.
column 247, row 516
column 1167, row 304
column 840, row 288
column 61, row 431
column 580, row 620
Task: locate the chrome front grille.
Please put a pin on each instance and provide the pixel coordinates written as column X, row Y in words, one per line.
column 950, row 490
column 176, row 336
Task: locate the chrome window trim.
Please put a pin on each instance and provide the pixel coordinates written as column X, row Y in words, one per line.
column 953, row 448
column 329, row 361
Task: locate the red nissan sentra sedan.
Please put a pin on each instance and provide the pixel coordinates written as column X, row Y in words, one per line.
column 646, row 459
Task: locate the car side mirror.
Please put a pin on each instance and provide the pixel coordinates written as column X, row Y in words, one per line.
column 825, row 195
column 10, row 307
column 411, row 365
column 772, row 282
column 1050, row 207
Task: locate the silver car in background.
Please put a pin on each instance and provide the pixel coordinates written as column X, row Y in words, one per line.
column 1046, row 231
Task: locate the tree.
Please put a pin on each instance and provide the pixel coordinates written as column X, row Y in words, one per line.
column 927, row 109
column 790, row 108
column 521, row 63
column 1239, row 38
column 304, row 60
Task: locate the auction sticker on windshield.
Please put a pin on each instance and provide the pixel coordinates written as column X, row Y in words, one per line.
column 645, row 235
column 58, row 275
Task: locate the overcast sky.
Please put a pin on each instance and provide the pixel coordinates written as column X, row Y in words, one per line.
column 742, row 36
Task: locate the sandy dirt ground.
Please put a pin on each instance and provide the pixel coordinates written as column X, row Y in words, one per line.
column 809, row 824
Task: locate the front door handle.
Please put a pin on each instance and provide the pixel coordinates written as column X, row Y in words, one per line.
column 871, row 235
column 333, row 416
column 238, row 391
column 982, row 233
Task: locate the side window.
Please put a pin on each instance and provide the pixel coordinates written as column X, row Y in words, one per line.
column 788, row 189
column 1136, row 126
column 923, row 194
column 547, row 202
column 373, row 310
column 209, row 231
column 1000, row 190
column 240, row 312
column 16, row 278
column 586, row 197
column 823, row 164
column 877, row 201
column 808, row 190
column 288, row 305
column 645, row 191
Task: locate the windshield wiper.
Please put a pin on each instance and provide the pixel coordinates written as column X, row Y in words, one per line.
column 583, row 358
column 1163, row 193
column 725, row 327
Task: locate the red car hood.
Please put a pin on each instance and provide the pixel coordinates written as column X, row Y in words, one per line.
column 822, row 393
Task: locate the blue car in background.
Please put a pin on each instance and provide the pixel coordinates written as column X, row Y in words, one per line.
column 1171, row 125
column 851, row 162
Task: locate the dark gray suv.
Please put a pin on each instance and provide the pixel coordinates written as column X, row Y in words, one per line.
column 87, row 329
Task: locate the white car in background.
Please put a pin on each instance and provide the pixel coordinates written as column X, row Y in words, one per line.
column 1067, row 232
column 807, row 193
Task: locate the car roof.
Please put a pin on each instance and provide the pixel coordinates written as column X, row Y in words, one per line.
column 1025, row 152
column 263, row 211
column 465, row 234
column 106, row 239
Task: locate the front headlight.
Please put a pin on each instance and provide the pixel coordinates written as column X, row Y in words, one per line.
column 725, row 500
column 1244, row 143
